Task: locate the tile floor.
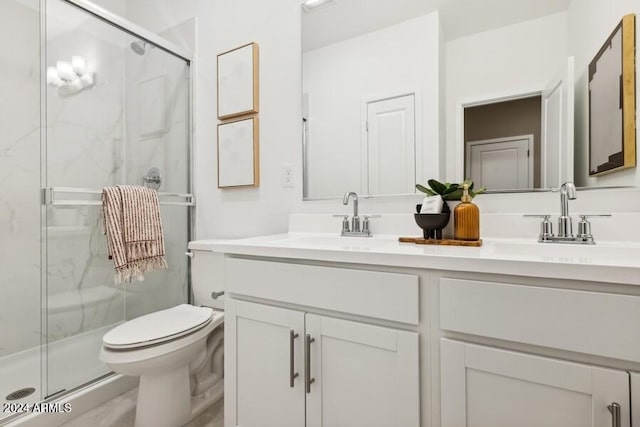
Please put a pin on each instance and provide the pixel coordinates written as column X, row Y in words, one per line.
column 120, row 412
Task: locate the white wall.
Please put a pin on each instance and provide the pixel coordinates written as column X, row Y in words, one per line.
column 590, row 23
column 338, row 78
column 511, row 60
column 223, row 25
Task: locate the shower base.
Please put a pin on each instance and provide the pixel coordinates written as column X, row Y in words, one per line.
column 71, row 362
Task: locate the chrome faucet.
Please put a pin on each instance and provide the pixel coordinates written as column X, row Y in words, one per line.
column 356, row 229
column 355, row 219
column 565, row 225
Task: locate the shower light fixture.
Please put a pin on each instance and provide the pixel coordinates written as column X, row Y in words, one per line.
column 313, row 5
column 70, row 77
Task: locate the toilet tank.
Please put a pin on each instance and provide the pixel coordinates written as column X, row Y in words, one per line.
column 206, row 276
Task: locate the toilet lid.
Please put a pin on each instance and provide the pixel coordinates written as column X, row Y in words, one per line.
column 158, row 327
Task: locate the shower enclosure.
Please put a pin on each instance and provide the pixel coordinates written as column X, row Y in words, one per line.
column 87, row 100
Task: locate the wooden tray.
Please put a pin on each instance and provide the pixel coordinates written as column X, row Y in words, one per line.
column 443, row 242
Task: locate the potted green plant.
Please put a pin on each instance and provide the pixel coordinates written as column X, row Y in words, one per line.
column 432, row 224
column 449, row 191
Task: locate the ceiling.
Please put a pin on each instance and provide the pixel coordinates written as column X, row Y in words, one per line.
column 350, row 18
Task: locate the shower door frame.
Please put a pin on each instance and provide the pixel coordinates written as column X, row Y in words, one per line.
column 145, row 35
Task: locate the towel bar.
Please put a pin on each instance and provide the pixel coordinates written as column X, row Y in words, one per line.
column 51, row 196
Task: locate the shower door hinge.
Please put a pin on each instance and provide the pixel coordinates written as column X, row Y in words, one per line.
column 46, row 196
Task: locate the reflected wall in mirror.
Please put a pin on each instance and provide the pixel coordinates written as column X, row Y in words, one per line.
column 450, row 56
column 371, row 101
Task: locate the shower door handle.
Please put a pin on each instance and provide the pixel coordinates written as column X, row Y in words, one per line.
column 292, row 370
column 307, row 363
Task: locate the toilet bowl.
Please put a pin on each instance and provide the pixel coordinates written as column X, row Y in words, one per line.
column 171, row 351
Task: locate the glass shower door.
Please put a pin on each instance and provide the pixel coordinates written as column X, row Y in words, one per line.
column 117, row 106
column 20, row 286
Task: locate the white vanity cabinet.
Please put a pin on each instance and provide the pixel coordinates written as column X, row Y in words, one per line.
column 408, row 336
column 260, row 350
column 303, row 367
column 364, row 375
column 635, row 398
column 484, row 386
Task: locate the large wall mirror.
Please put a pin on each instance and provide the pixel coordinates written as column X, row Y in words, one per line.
column 399, row 91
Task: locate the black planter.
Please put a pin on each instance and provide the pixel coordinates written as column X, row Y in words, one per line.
column 432, row 224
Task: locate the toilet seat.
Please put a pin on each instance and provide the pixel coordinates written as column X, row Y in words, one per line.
column 159, row 327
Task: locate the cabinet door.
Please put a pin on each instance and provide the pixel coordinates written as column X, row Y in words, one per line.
column 363, row 375
column 487, row 387
column 259, row 351
column 635, row 399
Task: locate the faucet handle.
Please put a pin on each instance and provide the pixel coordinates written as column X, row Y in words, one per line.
column 584, row 226
column 345, row 222
column 546, row 226
column 365, row 223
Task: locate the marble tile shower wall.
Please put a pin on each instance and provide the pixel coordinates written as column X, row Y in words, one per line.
column 19, row 177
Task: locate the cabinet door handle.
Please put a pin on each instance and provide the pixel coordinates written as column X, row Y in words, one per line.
column 292, row 374
column 307, row 363
column 614, row 408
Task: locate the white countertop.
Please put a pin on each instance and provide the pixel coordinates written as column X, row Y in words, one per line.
column 604, row 262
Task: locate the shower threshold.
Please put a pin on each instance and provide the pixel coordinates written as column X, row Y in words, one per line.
column 73, row 362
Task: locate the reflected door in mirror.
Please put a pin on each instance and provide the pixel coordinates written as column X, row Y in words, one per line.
column 501, row 164
column 389, row 154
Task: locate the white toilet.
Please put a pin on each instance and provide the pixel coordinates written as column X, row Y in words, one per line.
column 178, row 355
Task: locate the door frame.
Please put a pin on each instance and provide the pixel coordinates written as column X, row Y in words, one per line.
column 566, row 154
column 530, row 146
column 364, row 140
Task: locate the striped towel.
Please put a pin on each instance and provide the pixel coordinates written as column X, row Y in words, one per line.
column 133, row 228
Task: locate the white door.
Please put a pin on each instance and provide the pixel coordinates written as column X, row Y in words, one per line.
column 486, row 387
column 390, row 159
column 557, row 128
column 364, row 375
column 501, row 163
column 260, row 352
